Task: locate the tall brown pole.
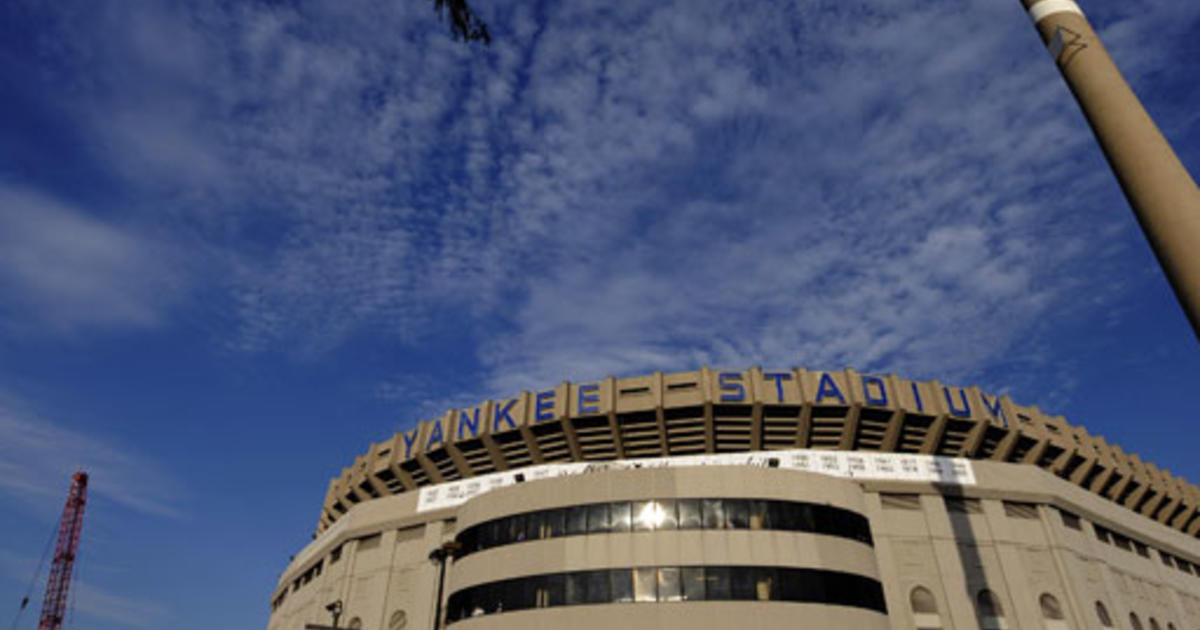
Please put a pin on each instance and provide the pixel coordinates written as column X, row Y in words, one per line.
column 1163, row 195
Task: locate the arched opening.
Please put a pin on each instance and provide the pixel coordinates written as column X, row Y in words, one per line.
column 355, row 624
column 925, row 609
column 1052, row 613
column 1154, row 624
column 1102, row 615
column 991, row 611
column 1134, row 622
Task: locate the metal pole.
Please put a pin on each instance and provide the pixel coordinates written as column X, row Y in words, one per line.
column 1162, row 194
column 440, row 555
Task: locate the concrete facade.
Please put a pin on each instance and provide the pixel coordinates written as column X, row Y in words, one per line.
column 1041, row 525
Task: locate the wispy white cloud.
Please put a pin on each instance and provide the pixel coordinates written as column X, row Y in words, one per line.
column 615, row 188
column 62, row 270
column 38, row 455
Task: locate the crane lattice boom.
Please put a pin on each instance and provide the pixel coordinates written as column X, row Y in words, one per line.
column 59, row 583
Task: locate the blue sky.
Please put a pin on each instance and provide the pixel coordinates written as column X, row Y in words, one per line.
column 240, row 241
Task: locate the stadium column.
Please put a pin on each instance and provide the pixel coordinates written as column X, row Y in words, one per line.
column 1163, row 195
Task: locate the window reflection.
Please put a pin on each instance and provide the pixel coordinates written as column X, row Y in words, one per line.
column 638, row 585
column 665, row 514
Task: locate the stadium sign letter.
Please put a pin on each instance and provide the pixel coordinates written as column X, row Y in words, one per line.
column 589, row 399
column 732, row 389
column 502, row 414
column 880, row 400
column 544, row 406
column 779, row 378
column 471, row 422
column 827, row 387
column 962, row 412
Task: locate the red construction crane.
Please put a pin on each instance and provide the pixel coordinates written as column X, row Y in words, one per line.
column 54, row 607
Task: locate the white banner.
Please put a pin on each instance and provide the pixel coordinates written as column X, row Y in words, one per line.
column 848, row 464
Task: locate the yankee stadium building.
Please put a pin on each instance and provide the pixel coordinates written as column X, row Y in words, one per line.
column 721, row 499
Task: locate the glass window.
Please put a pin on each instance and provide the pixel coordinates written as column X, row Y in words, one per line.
column 645, row 584
column 516, row 528
column 519, row 594
column 693, row 583
column 598, row 522
column 646, row 514
column 765, row 584
column 577, row 520
column 716, row 581
column 556, row 523
column 597, row 587
column 487, row 536
column 533, row 525
column 759, row 516
column 576, row 588
column 689, row 514
column 670, row 518
column 620, row 515
column 556, row 589
column 713, row 513
column 776, row 514
column 669, row 588
column 741, row 583
column 737, row 514
column 492, row 597
column 621, row 581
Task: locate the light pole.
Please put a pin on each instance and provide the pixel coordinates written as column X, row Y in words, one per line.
column 1162, row 194
column 440, row 555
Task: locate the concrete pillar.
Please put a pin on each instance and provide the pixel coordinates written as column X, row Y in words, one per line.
column 1163, row 195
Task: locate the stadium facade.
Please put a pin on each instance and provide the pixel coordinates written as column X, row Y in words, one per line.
column 711, row 499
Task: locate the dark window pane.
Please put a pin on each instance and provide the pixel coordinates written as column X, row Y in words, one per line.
column 669, row 588
column 741, row 583
column 714, row 514
column 759, row 518
column 556, row 589
column 620, row 516
column 804, row 518
column 669, row 519
column 693, row 583
column 468, row 539
column 765, row 584
column 516, row 528
column 597, row 587
column 689, row 513
column 801, row 585
column 737, row 513
column 576, row 588
column 555, row 524
column 533, row 525
column 577, row 520
column 518, row 594
column 492, row 594
column 621, row 581
column 717, row 582
column 645, row 585
column 598, row 518
column 645, row 514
